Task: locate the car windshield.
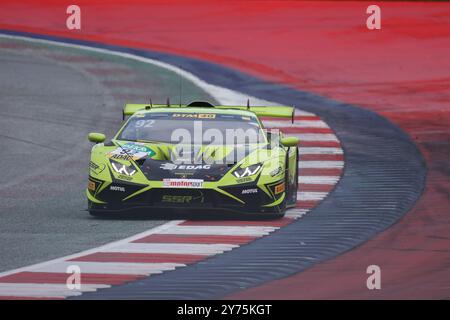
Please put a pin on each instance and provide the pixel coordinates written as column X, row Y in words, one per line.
column 193, row 128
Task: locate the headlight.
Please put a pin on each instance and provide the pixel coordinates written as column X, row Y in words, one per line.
column 246, row 172
column 122, row 169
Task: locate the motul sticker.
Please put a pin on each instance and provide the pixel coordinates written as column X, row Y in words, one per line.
column 183, row 183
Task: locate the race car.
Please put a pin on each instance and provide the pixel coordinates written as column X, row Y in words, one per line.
column 197, row 156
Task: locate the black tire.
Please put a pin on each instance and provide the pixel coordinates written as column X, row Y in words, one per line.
column 291, row 190
column 296, row 177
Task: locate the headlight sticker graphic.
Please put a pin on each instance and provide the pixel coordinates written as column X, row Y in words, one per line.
column 248, row 171
column 123, row 169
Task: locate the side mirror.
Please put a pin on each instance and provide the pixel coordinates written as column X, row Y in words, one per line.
column 96, row 137
column 290, row 141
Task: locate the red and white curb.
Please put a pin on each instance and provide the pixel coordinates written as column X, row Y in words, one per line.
column 177, row 244
column 321, row 159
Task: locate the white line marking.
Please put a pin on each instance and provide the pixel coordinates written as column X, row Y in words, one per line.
column 42, row 290
column 314, row 136
column 175, row 248
column 220, row 230
column 94, row 250
column 298, row 112
column 320, row 164
column 310, row 195
column 296, row 213
column 110, row 267
column 318, row 179
column 319, row 150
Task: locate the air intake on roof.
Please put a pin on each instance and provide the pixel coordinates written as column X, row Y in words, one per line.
column 203, row 104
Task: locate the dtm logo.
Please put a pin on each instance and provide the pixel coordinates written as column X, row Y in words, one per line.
column 172, row 166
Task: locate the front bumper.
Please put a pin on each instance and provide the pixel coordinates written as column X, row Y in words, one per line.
column 245, row 198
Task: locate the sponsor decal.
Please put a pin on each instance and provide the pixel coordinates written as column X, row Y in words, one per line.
column 120, row 155
column 183, row 175
column 172, row 166
column 169, row 198
column 206, row 116
column 124, row 177
column 249, row 191
column 131, row 151
column 91, row 185
column 244, row 180
column 176, row 199
column 276, row 172
column 194, row 115
column 279, row 188
column 117, row 188
column 96, row 168
column 183, row 183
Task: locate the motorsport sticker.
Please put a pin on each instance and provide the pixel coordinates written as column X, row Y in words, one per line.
column 134, row 150
column 183, row 183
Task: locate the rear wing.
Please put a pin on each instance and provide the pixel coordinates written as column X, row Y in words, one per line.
column 261, row 111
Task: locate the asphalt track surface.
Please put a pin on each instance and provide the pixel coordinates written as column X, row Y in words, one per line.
column 348, row 217
column 177, row 243
column 50, row 99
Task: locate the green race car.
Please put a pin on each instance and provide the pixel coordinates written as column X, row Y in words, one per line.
column 196, row 156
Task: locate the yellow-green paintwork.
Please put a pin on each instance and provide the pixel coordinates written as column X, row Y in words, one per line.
column 271, row 159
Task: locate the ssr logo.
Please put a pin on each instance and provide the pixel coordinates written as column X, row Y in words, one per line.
column 176, row 199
